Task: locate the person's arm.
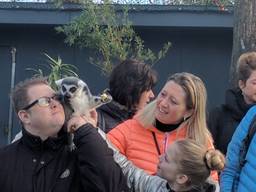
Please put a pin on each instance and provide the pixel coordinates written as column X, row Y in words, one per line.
column 97, row 169
column 137, row 179
column 229, row 177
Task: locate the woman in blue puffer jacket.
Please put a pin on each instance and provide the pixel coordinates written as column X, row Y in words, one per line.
column 237, row 176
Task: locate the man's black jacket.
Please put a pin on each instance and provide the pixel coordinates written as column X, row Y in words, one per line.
column 30, row 165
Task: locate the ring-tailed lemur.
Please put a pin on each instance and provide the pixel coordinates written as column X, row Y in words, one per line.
column 77, row 98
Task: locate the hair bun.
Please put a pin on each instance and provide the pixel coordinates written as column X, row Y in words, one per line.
column 214, row 160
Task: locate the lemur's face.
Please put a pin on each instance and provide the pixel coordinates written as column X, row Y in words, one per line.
column 75, row 92
column 71, row 87
column 68, row 91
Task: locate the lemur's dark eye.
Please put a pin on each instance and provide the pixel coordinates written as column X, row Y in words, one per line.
column 96, row 99
column 72, row 89
column 64, row 89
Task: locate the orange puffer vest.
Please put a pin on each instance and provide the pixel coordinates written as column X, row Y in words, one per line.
column 137, row 143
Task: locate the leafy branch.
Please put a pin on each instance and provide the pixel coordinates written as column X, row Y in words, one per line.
column 57, row 70
column 110, row 35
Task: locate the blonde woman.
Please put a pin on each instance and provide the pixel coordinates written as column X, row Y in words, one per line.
column 178, row 112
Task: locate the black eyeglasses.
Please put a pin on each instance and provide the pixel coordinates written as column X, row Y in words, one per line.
column 42, row 102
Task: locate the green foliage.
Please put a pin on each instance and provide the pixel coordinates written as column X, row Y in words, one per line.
column 109, row 35
column 57, row 70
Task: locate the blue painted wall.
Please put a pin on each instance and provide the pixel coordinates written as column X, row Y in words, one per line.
column 205, row 52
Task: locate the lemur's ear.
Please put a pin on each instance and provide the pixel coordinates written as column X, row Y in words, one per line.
column 59, row 82
column 81, row 83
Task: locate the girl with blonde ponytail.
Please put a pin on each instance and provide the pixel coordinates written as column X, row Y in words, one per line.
column 185, row 167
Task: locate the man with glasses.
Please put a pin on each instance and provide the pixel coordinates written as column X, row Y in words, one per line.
column 41, row 161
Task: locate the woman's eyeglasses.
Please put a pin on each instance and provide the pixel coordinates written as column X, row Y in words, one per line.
column 42, row 102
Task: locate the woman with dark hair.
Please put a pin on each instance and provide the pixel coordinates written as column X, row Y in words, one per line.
column 224, row 119
column 130, row 85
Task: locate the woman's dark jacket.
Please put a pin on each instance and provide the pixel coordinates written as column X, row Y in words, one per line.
column 223, row 120
column 33, row 165
column 112, row 114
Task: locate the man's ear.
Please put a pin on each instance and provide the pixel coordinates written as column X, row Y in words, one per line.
column 24, row 116
column 181, row 179
column 241, row 84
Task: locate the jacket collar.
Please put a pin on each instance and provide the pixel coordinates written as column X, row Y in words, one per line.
column 166, row 127
column 35, row 142
column 181, row 131
column 116, row 110
column 235, row 102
